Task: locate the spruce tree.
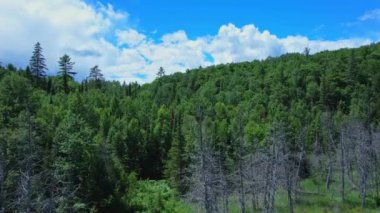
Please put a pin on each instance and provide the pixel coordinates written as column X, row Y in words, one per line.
column 37, row 63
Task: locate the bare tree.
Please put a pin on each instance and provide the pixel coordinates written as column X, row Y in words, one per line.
column 364, row 157
column 317, row 158
column 240, row 165
column 24, row 202
column 292, row 165
column 251, row 166
column 342, row 161
column 328, row 128
column 350, row 146
column 363, row 165
column 3, row 171
column 205, row 178
column 376, row 148
column 224, row 185
column 273, row 166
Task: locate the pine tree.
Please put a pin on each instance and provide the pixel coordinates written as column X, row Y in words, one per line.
column 161, row 72
column 66, row 65
column 37, row 63
column 174, row 167
column 306, row 51
column 96, row 75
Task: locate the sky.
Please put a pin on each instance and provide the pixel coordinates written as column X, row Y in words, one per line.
column 131, row 39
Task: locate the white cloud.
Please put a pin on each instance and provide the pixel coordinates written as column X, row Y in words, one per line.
column 175, row 53
column 233, row 44
column 298, row 43
column 370, row 15
column 175, row 38
column 129, row 37
column 62, row 26
column 85, row 33
column 111, row 13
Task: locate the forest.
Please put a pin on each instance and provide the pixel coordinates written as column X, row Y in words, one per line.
column 294, row 133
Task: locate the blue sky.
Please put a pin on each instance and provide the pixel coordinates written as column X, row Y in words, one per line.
column 317, row 19
column 131, row 39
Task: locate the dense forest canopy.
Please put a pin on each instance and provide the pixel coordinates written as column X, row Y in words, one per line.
column 252, row 136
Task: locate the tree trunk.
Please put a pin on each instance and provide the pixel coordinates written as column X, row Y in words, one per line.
column 224, row 187
column 342, row 163
column 205, row 179
column 3, row 173
column 254, row 205
column 330, row 150
column 290, row 198
column 241, row 175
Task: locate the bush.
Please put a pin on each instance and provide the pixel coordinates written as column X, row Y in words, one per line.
column 151, row 196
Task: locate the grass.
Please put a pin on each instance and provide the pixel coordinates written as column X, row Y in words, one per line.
column 327, row 201
column 330, row 200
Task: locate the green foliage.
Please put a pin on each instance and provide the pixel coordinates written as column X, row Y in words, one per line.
column 15, row 96
column 66, row 73
column 37, row 64
column 129, row 147
column 152, row 196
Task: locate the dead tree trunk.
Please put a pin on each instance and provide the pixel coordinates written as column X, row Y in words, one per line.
column 362, row 175
column 24, row 201
column 224, row 191
column 290, row 169
column 317, row 162
column 272, row 168
column 289, row 187
column 3, row 173
column 272, row 181
column 241, row 174
column 330, row 147
column 252, row 182
column 205, row 178
column 342, row 163
column 363, row 159
column 300, row 158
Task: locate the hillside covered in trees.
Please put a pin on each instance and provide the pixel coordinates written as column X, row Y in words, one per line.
column 296, row 133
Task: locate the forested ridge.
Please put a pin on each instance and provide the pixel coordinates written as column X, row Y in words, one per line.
column 295, row 133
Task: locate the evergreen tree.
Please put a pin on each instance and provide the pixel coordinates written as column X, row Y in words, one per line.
column 37, row 63
column 66, row 73
column 96, row 75
column 306, row 51
column 72, row 150
column 306, row 120
column 161, row 72
column 175, row 164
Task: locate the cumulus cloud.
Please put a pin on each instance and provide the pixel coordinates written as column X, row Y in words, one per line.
column 99, row 35
column 175, row 52
column 292, row 44
column 233, row 44
column 62, row 26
